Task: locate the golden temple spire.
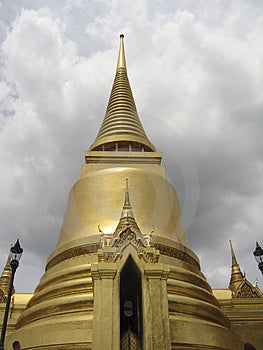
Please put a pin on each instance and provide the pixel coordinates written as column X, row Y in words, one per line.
column 236, row 275
column 127, row 209
column 127, row 219
column 5, row 280
column 121, row 129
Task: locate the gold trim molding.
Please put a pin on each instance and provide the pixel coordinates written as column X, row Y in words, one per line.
column 176, row 253
column 73, row 253
column 94, row 248
column 83, row 346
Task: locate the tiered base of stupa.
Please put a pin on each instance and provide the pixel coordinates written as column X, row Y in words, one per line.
column 77, row 304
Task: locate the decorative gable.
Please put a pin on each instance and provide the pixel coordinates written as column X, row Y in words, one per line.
column 247, row 290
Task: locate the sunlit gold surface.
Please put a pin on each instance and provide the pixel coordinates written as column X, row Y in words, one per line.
column 17, row 306
column 147, row 189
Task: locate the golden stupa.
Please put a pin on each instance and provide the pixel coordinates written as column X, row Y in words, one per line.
column 122, row 275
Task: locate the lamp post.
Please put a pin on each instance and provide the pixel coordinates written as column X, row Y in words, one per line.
column 15, row 255
column 258, row 254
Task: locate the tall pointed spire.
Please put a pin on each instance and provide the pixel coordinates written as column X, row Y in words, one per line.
column 127, row 218
column 127, row 209
column 236, row 275
column 121, row 129
column 5, row 280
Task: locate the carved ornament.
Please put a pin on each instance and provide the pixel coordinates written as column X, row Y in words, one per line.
column 127, row 233
column 247, row 290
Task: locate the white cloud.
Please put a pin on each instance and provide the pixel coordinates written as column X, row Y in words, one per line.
column 195, row 68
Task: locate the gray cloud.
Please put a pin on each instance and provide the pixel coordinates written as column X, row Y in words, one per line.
column 195, row 68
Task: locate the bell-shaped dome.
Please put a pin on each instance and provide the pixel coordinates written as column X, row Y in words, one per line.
column 96, row 199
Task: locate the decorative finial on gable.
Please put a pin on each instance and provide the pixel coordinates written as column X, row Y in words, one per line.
column 127, row 209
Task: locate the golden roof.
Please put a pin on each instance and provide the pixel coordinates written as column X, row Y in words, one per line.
column 121, row 123
column 222, row 293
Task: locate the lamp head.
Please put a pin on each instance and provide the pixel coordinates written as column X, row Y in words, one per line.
column 258, row 253
column 16, row 252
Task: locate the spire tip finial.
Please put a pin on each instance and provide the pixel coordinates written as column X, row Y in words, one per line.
column 121, row 58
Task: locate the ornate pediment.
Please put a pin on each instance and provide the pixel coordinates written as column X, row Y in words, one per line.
column 113, row 246
column 247, row 290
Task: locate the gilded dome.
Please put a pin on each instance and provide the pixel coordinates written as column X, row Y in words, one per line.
column 97, row 199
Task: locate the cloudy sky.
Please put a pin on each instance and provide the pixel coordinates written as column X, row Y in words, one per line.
column 196, row 71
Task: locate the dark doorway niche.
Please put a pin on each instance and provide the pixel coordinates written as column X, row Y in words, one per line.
column 131, row 304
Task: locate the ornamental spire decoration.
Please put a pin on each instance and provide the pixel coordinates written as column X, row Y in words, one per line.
column 5, row 281
column 236, row 275
column 121, row 129
column 127, row 209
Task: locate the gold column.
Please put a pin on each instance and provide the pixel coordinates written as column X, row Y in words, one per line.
column 105, row 319
column 157, row 334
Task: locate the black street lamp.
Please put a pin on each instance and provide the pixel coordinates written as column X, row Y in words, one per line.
column 15, row 255
column 258, row 254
